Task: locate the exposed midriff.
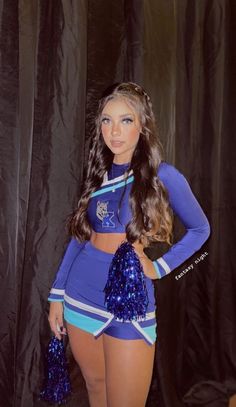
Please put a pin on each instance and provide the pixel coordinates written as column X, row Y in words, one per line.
column 109, row 242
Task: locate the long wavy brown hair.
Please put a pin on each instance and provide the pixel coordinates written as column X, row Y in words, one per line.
column 152, row 218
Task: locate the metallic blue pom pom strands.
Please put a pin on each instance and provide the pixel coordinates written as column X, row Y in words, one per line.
column 57, row 383
column 125, row 292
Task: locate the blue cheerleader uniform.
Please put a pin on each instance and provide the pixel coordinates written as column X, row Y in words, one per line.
column 83, row 272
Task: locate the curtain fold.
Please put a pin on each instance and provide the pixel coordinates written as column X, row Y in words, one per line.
column 10, row 222
column 56, row 58
column 190, row 55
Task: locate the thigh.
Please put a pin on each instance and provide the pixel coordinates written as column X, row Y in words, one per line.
column 129, row 366
column 88, row 353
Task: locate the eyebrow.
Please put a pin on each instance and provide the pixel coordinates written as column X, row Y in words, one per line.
column 122, row 115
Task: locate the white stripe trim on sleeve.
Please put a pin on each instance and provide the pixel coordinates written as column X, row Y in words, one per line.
column 164, row 265
column 57, row 291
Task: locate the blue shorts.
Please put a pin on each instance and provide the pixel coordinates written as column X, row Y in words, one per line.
column 84, row 299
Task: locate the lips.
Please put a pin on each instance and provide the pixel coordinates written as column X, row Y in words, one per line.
column 117, row 143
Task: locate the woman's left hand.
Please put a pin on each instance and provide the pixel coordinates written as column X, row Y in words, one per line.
column 148, row 267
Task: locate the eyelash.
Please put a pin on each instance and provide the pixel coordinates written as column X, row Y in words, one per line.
column 126, row 120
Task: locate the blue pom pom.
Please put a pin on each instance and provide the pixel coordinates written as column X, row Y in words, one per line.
column 57, row 383
column 125, row 291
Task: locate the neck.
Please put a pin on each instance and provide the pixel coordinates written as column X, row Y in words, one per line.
column 117, row 169
column 121, row 161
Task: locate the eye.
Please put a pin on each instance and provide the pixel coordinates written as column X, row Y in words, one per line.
column 127, row 120
column 105, row 120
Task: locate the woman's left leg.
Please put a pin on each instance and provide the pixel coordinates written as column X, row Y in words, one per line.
column 129, row 366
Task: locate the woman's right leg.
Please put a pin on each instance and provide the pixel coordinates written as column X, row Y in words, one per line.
column 89, row 354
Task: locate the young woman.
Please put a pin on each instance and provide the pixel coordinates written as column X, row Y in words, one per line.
column 129, row 195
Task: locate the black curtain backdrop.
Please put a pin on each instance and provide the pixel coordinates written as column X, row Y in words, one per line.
column 56, row 57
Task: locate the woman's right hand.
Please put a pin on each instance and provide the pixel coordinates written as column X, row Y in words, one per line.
column 55, row 318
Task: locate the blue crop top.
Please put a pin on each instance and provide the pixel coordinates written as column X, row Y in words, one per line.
column 103, row 206
column 102, row 215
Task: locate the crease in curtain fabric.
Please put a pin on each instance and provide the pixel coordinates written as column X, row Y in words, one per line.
column 55, row 60
column 43, row 88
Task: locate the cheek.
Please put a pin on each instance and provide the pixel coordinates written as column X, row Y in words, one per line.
column 105, row 132
column 133, row 135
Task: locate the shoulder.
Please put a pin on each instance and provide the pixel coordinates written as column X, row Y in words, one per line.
column 174, row 181
column 168, row 173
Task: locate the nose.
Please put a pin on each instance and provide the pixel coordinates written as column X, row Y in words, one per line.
column 115, row 129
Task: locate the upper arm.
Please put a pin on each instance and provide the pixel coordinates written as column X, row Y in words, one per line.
column 181, row 197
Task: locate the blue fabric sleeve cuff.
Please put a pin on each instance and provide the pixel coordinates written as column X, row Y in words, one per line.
column 56, row 295
column 161, row 267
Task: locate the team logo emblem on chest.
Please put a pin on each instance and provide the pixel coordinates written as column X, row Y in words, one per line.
column 104, row 215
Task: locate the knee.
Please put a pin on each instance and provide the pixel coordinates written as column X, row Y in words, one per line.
column 95, row 383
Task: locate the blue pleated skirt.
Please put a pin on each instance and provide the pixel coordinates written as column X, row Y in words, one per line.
column 84, row 299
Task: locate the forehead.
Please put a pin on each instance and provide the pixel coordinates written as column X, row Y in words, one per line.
column 119, row 106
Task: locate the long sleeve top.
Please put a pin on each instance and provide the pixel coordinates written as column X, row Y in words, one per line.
column 102, row 214
column 186, row 207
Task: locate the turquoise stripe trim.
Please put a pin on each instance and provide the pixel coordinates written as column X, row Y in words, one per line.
column 162, row 271
column 151, row 332
column 56, row 299
column 114, row 186
column 157, row 269
column 82, row 321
